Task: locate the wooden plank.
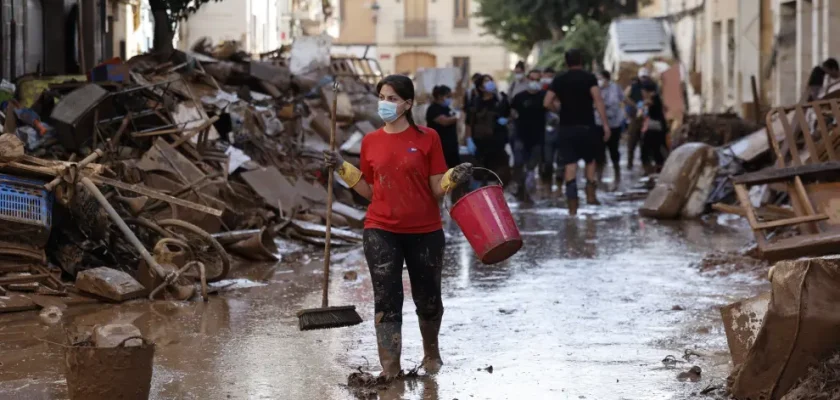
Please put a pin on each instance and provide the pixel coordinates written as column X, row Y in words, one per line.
column 807, row 134
column 156, row 195
column 771, row 175
column 792, row 221
column 744, row 198
column 825, row 133
column 790, row 140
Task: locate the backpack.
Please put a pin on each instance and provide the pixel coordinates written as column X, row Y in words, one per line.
column 484, row 120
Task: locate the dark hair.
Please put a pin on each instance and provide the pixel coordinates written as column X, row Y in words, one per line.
column 816, row 77
column 534, row 71
column 475, row 76
column 480, row 80
column 549, row 70
column 605, row 74
column 440, row 91
column 520, row 65
column 404, row 87
column 649, row 86
column 574, row 58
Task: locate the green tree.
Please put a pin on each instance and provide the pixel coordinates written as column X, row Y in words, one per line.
column 523, row 23
column 585, row 34
column 167, row 14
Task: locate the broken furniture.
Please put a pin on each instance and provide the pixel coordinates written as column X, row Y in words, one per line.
column 811, row 177
column 684, row 184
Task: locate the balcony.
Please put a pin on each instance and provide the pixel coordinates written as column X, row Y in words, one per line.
column 416, row 31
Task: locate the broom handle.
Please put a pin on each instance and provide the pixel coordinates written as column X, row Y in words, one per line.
column 325, row 298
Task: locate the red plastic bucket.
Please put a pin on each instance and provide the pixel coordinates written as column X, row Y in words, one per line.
column 485, row 218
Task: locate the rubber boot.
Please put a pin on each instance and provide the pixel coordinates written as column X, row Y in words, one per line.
column 573, row 206
column 616, row 177
column 431, row 352
column 389, row 342
column 591, row 198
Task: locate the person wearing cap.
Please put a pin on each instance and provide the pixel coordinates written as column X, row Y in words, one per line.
column 633, row 98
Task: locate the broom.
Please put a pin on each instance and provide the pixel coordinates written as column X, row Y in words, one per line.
column 329, row 317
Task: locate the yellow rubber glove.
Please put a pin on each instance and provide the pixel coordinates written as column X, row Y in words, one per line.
column 349, row 174
column 455, row 176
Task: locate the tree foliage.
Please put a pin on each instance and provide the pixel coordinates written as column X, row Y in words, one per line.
column 523, row 23
column 585, row 34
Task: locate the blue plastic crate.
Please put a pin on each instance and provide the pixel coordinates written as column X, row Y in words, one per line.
column 25, row 210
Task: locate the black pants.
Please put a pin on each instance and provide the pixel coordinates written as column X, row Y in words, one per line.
column 654, row 148
column 611, row 147
column 634, row 133
column 422, row 254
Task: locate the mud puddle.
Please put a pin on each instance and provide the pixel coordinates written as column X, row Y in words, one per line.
column 587, row 310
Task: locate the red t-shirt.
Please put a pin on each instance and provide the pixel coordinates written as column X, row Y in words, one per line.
column 398, row 167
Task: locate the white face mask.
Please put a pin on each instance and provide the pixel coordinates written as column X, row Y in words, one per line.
column 519, row 76
column 601, row 82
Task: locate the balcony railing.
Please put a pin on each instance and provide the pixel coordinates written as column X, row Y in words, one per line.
column 416, row 31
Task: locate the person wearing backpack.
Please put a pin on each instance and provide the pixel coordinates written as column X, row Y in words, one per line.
column 487, row 120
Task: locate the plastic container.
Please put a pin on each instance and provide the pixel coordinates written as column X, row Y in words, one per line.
column 25, row 210
column 485, row 218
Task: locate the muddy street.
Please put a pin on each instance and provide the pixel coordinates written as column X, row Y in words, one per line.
column 589, row 309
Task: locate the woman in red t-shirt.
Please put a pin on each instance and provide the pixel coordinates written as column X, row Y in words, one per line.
column 405, row 177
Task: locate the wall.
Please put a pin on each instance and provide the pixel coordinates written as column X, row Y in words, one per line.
column 356, row 22
column 220, row 21
column 446, row 41
column 721, row 86
column 133, row 28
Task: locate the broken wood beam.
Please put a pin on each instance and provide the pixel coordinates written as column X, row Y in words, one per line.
column 156, row 195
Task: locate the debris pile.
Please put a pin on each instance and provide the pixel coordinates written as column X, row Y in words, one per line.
column 139, row 179
column 712, row 129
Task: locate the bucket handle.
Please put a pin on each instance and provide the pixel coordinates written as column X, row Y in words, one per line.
column 448, row 191
column 145, row 342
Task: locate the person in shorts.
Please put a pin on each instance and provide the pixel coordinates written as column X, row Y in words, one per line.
column 579, row 138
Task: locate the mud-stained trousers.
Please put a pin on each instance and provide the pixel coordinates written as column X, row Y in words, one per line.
column 423, row 256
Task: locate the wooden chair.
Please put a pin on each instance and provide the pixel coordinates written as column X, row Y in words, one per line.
column 800, row 171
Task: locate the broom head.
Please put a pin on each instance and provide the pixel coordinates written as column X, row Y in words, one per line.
column 328, row 317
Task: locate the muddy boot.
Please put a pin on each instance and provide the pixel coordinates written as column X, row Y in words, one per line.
column 648, row 169
column 389, row 341
column 572, row 197
column 573, row 205
column 616, row 177
column 591, row 198
column 431, row 352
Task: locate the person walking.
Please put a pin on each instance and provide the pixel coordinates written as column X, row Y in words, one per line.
column 613, row 102
column 578, row 93
column 487, row 121
column 404, row 175
column 519, row 83
column 443, row 119
column 654, row 130
column 633, row 98
column 530, row 120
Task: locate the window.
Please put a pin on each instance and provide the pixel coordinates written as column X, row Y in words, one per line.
column 462, row 13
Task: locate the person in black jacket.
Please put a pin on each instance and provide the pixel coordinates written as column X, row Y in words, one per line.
column 654, row 130
column 441, row 118
column 487, row 120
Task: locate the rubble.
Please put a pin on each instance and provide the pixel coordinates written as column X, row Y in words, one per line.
column 110, row 284
column 145, row 152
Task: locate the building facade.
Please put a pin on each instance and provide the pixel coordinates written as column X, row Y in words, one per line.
column 410, row 35
column 259, row 26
